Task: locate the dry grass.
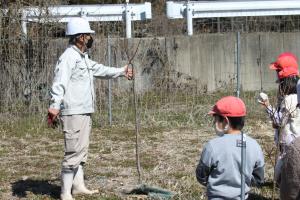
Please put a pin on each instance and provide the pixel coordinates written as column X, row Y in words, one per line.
column 30, row 162
column 172, row 137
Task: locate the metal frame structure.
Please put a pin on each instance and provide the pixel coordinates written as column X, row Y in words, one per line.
column 97, row 12
column 100, row 12
column 230, row 8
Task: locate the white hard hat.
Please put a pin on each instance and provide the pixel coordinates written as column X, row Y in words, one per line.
column 78, row 25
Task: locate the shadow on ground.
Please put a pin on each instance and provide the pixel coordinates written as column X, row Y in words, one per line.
column 268, row 185
column 257, row 197
column 38, row 187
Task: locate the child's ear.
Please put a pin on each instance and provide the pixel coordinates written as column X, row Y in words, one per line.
column 226, row 124
column 226, row 120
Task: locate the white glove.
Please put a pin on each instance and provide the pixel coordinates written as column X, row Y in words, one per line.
column 262, row 98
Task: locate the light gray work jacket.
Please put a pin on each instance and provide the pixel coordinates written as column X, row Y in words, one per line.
column 72, row 91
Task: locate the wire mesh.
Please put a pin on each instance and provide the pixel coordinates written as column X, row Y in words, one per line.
column 178, row 78
column 175, row 73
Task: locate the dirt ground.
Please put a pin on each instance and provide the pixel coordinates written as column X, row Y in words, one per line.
column 30, row 162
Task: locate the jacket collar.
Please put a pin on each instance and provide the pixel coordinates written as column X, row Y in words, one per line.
column 78, row 50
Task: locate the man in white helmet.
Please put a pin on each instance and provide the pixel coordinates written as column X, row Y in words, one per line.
column 73, row 97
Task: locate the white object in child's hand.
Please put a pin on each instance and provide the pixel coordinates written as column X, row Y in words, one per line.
column 263, row 97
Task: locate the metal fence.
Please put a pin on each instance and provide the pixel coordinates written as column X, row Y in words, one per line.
column 167, row 96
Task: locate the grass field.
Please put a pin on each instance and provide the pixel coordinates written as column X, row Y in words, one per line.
column 31, row 154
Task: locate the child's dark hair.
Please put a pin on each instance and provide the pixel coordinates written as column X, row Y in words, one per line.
column 236, row 123
column 288, row 85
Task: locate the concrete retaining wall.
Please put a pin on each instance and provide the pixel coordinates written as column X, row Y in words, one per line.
column 207, row 59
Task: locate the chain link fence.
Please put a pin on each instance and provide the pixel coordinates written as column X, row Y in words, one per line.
column 178, row 78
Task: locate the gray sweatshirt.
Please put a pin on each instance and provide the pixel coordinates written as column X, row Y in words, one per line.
column 220, row 164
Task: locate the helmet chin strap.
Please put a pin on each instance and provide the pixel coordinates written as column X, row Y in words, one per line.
column 84, row 46
column 81, row 45
column 89, row 44
column 85, row 43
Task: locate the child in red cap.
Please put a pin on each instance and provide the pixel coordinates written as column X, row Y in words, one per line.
column 219, row 168
column 286, row 115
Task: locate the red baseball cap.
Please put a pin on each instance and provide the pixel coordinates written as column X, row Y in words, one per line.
column 288, row 71
column 286, row 64
column 229, row 106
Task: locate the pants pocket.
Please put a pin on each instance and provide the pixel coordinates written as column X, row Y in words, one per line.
column 71, row 140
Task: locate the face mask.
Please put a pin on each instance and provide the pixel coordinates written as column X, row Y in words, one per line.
column 89, row 43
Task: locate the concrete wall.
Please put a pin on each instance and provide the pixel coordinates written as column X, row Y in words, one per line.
column 211, row 58
column 207, row 59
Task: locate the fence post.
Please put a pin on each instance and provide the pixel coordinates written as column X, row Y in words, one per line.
column 128, row 19
column 243, row 138
column 260, row 64
column 109, row 82
column 243, row 162
column 238, row 62
column 24, row 24
column 189, row 16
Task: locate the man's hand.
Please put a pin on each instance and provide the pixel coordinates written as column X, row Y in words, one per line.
column 52, row 117
column 53, row 112
column 129, row 72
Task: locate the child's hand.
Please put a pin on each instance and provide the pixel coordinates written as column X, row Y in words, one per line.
column 263, row 99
